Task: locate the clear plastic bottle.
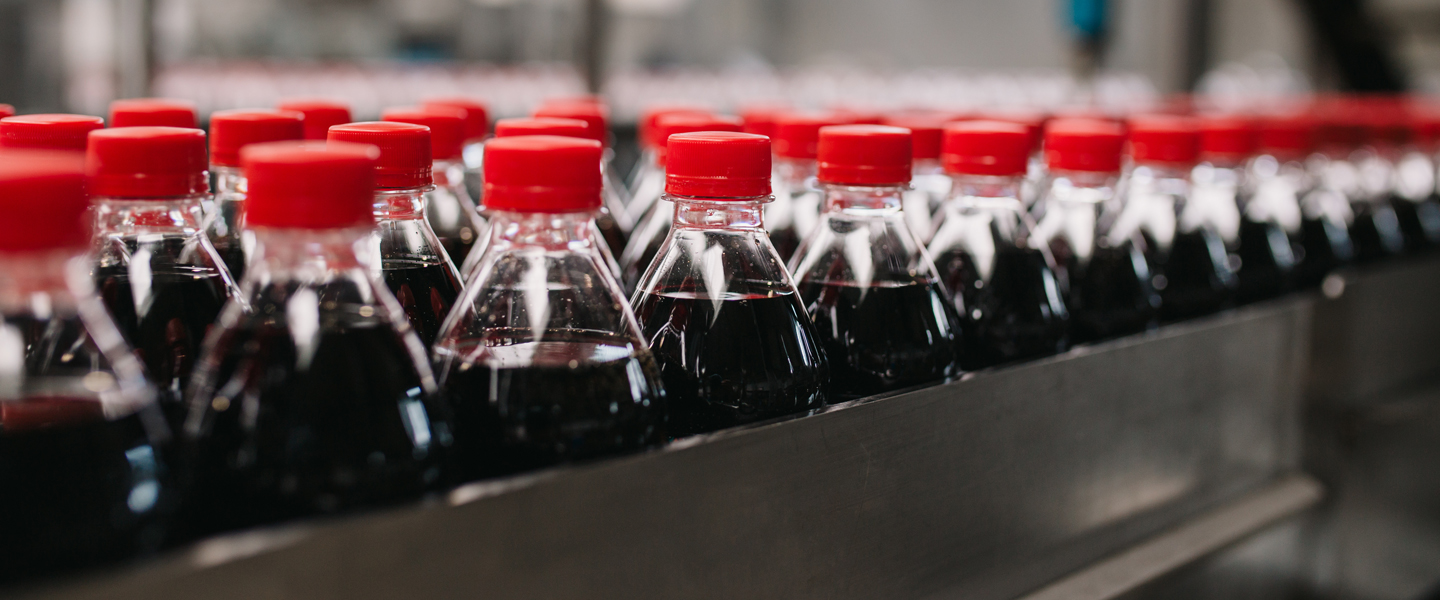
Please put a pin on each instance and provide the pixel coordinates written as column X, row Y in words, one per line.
column 320, row 115
column 543, row 361
column 231, row 130
column 648, row 177
column 1000, row 278
column 717, row 306
column 1344, row 166
column 651, row 232
column 1417, row 204
column 1402, row 174
column 1102, row 270
column 613, row 221
column 929, row 185
column 1186, row 236
column 477, row 128
column 408, row 256
column 157, row 273
column 1261, row 243
column 313, row 396
column 153, row 112
column 453, row 214
column 796, row 209
column 84, row 461
column 1283, row 191
column 48, row 131
column 866, row 281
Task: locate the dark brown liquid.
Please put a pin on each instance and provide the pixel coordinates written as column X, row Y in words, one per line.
column 610, row 230
column 425, row 291
column 1267, row 261
column 520, row 405
column 786, row 242
column 736, row 361
column 1110, row 295
column 1419, row 223
column 1324, row 247
column 883, row 338
column 1195, row 274
column 1376, row 232
column 632, row 273
column 1016, row 315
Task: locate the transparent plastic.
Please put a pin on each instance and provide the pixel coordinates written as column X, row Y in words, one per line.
column 725, row 323
column 1324, row 242
column 1414, row 200
column 452, row 212
column 601, row 252
column 1101, row 269
column 1001, row 280
column 646, row 188
column 412, row 261
column 473, row 157
column 796, row 209
column 1185, row 240
column 929, row 187
column 1362, row 178
column 1260, row 244
column 613, row 220
column 874, row 296
column 543, row 361
column 163, row 283
column 225, row 220
column 83, row 446
column 314, row 395
column 645, row 243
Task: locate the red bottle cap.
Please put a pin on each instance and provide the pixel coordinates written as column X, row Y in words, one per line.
column 1227, row 138
column 760, row 119
column 1033, row 121
column 986, row 148
column 42, row 195
column 6, row 111
column 477, row 115
column 926, row 134
column 648, row 128
column 231, row 130
column 798, row 135
column 51, row 132
column 592, row 112
column 320, row 115
column 542, row 173
column 864, row 155
column 147, row 162
column 447, row 128
column 309, row 185
column 542, row 126
column 718, row 164
column 672, row 124
column 1164, row 139
column 404, row 162
column 1285, row 137
column 152, row 112
column 1427, row 127
column 1084, row 145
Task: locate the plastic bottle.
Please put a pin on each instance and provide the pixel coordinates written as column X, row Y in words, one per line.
column 154, row 268
column 477, row 128
column 231, row 130
column 1417, row 205
column 929, row 184
column 453, row 214
column 153, row 112
column 1284, row 192
column 865, row 279
column 407, row 255
column 48, row 132
column 83, row 447
column 543, row 361
column 1000, row 278
column 320, row 115
column 650, row 234
column 717, row 306
column 1336, row 166
column 1186, row 236
column 1102, row 270
column 648, row 177
column 1403, row 173
column 1262, row 243
column 613, row 222
column 796, row 208
column 313, row 395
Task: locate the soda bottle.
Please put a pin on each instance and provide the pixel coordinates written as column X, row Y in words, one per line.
column 84, row 449
column 320, row 115
column 717, row 306
column 1262, row 240
column 543, row 361
column 1186, row 236
column 1285, row 193
column 313, row 394
column 231, row 130
column 48, row 132
column 652, row 230
column 548, row 126
column 1001, row 279
column 929, row 185
column 453, row 214
column 613, row 221
column 407, row 255
column 477, row 128
column 1401, row 173
column 1336, row 166
column 647, row 180
column 760, row 119
column 157, row 273
column 796, row 208
column 1417, row 205
column 865, row 279
column 153, row 112
column 1102, row 271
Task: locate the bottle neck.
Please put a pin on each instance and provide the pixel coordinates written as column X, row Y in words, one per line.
column 400, row 205
column 877, row 200
column 178, row 214
column 927, row 166
column 569, row 231
column 719, row 213
column 796, row 171
column 34, row 283
column 986, row 186
column 448, row 172
column 229, row 181
column 314, row 255
column 1163, row 170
